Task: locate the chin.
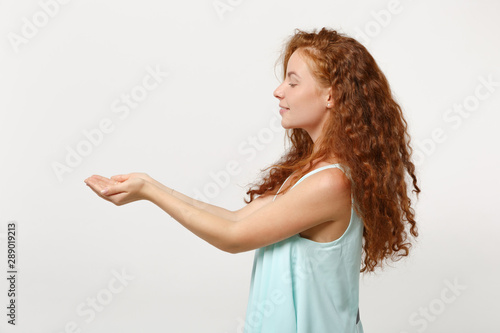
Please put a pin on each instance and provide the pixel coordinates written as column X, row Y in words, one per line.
column 288, row 126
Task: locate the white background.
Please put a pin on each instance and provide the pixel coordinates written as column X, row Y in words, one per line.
column 63, row 80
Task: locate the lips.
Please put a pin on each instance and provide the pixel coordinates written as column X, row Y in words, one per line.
column 283, row 109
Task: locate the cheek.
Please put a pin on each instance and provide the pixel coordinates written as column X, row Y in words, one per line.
column 308, row 100
column 299, row 99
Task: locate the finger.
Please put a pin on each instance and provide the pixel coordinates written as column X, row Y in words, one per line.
column 114, row 189
column 96, row 189
column 97, row 180
column 98, row 192
column 103, row 181
column 100, row 178
column 96, row 183
column 102, row 184
column 120, row 178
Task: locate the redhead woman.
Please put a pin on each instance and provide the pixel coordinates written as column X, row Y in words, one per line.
column 335, row 205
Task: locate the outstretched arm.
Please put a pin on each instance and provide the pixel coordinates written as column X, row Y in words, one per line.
column 320, row 198
column 216, row 230
column 213, row 228
column 216, row 210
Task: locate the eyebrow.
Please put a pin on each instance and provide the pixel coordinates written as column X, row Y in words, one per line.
column 293, row 73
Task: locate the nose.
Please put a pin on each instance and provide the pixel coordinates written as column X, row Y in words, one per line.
column 278, row 92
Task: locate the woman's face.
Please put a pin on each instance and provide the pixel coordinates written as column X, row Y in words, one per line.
column 303, row 103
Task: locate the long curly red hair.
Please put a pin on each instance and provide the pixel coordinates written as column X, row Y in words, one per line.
column 365, row 131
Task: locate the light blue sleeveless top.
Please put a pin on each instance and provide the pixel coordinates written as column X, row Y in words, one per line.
column 302, row 286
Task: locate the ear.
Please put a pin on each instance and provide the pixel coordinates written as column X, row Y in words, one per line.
column 329, row 94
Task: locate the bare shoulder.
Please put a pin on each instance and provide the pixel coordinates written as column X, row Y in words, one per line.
column 330, row 182
column 333, row 193
column 320, row 197
column 332, row 179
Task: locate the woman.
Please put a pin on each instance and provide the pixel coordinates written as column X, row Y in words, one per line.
column 338, row 192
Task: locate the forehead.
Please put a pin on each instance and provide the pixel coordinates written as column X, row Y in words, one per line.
column 298, row 65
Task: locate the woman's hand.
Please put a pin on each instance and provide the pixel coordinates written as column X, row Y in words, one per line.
column 118, row 192
column 122, row 178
